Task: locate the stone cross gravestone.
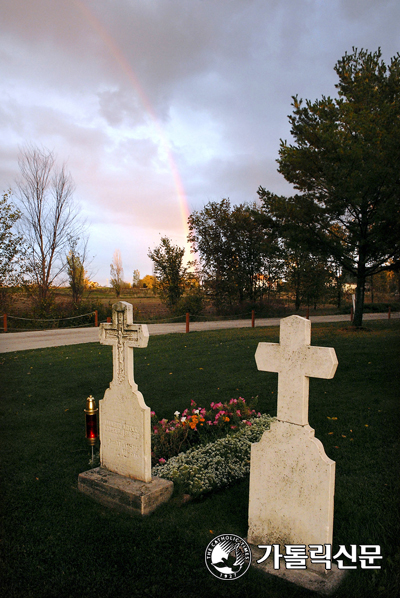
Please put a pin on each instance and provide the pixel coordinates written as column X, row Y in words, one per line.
column 296, row 362
column 125, row 429
column 123, row 481
column 292, row 481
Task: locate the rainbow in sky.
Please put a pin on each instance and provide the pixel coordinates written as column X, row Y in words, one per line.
column 127, row 68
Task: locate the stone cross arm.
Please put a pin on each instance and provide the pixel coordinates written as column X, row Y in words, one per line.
column 295, row 361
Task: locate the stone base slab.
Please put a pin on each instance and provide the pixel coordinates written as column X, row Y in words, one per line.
column 123, row 493
column 317, row 580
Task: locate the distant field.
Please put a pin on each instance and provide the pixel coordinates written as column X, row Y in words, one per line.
column 150, row 307
column 148, row 304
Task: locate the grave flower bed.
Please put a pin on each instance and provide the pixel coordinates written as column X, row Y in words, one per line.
column 198, row 425
column 216, row 464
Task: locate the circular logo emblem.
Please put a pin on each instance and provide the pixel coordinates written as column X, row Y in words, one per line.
column 228, row 556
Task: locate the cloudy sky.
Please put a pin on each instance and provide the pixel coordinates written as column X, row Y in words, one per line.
column 160, row 106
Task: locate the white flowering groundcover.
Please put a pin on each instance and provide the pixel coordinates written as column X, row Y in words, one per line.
column 216, row 464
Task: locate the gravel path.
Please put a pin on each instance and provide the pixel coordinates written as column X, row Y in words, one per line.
column 19, row 341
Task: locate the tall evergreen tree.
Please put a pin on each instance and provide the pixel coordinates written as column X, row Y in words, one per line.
column 345, row 161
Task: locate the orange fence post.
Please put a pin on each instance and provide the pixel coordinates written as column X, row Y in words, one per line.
column 252, row 318
column 187, row 321
column 108, row 320
column 5, row 322
column 96, row 318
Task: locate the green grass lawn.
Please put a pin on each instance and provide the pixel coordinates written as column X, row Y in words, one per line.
column 57, row 542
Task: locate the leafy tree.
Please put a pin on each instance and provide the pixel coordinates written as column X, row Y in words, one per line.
column 235, row 254
column 76, row 272
column 298, row 272
column 117, row 273
column 169, row 271
column 316, row 282
column 253, row 253
column 148, row 282
column 49, row 216
column 305, row 271
column 384, row 285
column 336, row 268
column 209, row 234
column 13, row 267
column 12, row 247
column 345, row 162
column 135, row 279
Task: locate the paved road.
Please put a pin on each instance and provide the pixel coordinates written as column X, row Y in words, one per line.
column 19, row 341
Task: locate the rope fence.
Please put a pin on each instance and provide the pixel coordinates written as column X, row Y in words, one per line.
column 50, row 319
column 7, row 317
column 184, row 318
column 169, row 320
column 209, row 318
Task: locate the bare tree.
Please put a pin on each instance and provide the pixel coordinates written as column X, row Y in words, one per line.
column 50, row 218
column 117, row 273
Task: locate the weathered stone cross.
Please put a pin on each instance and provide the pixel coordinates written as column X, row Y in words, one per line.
column 124, row 336
column 123, row 480
column 295, row 361
column 292, row 480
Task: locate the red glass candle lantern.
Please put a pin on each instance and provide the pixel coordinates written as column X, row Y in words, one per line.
column 91, row 420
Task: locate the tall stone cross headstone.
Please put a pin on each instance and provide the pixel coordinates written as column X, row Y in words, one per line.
column 125, row 429
column 123, row 481
column 292, row 481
